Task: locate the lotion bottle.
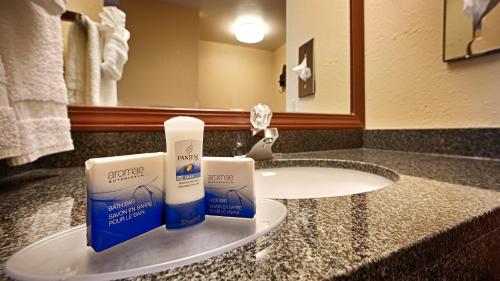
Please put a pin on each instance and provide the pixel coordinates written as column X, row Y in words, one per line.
column 184, row 191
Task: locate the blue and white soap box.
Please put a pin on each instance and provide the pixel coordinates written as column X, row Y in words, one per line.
column 229, row 186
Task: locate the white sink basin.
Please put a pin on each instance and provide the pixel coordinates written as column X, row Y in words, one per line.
column 315, row 182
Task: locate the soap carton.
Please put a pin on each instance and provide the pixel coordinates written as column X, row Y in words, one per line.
column 229, row 186
column 124, row 197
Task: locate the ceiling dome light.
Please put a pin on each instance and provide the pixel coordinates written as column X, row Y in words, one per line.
column 249, row 31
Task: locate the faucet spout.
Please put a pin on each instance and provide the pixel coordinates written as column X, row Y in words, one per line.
column 262, row 150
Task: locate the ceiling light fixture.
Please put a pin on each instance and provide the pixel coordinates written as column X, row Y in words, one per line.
column 249, row 29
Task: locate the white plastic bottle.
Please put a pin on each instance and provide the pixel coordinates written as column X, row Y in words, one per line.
column 184, row 192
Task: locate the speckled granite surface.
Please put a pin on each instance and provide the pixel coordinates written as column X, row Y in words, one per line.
column 440, row 215
column 216, row 143
column 478, row 142
column 459, row 170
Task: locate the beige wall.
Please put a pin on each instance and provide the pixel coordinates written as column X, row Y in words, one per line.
column 234, row 77
column 163, row 58
column 90, row 8
column 328, row 23
column 408, row 85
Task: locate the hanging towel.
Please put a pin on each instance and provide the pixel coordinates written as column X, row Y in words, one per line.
column 9, row 137
column 115, row 53
column 82, row 64
column 75, row 64
column 94, row 57
column 31, row 49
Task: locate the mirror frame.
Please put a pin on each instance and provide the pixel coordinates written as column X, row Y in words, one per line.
column 119, row 119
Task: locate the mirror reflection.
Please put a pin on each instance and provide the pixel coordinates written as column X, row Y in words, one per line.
column 209, row 54
column 472, row 28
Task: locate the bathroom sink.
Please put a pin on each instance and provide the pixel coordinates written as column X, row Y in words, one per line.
column 301, row 179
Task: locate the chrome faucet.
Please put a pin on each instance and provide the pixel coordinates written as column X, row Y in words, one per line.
column 260, row 117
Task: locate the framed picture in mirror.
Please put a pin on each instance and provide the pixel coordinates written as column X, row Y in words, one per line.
column 471, row 29
column 306, row 57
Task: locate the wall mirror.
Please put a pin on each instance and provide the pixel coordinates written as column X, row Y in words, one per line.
column 471, row 28
column 192, row 57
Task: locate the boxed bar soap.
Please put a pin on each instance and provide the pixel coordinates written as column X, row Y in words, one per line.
column 124, row 197
column 229, row 186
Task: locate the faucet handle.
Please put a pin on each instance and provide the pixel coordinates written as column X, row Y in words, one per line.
column 260, row 117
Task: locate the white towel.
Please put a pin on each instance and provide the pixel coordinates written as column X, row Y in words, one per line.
column 75, row 64
column 9, row 136
column 115, row 53
column 86, row 78
column 94, row 57
column 32, row 54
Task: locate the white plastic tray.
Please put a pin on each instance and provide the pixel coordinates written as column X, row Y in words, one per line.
column 65, row 256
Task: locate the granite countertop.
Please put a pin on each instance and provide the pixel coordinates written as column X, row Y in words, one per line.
column 440, row 206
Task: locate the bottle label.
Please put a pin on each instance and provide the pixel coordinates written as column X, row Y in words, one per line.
column 188, row 163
